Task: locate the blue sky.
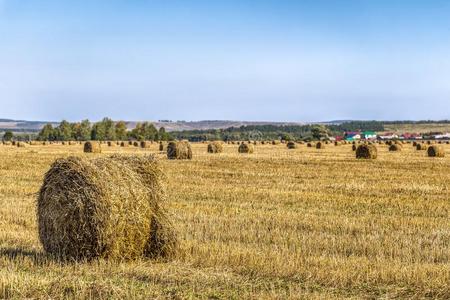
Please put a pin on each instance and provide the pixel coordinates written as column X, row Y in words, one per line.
column 242, row 60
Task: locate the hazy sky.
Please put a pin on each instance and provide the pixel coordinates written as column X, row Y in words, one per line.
column 235, row 59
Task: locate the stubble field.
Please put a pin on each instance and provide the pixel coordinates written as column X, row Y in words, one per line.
column 301, row 223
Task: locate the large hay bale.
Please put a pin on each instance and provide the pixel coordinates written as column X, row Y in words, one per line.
column 246, row 148
column 291, row 145
column 215, row 147
column 309, row 145
column 436, row 151
column 179, row 150
column 395, row 147
column 421, row 147
column 366, row 152
column 92, row 147
column 354, row 147
column 108, row 207
column 320, row 145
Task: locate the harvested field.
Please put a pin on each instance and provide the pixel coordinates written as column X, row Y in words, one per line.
column 275, row 224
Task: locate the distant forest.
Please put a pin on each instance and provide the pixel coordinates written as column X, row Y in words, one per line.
column 270, row 132
column 108, row 129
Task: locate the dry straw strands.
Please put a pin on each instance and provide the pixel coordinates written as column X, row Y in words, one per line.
column 179, row 150
column 215, row 147
column 436, row 151
column 366, row 152
column 246, row 148
column 92, row 147
column 106, row 207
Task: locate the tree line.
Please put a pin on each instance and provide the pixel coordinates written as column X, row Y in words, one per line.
column 276, row 132
column 105, row 130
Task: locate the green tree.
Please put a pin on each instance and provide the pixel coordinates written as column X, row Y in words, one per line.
column 121, row 130
column 83, row 130
column 8, row 136
column 64, row 131
column 163, row 135
column 47, row 133
column 319, row 132
column 145, row 131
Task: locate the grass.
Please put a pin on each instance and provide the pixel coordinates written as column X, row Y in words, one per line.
column 417, row 128
column 299, row 223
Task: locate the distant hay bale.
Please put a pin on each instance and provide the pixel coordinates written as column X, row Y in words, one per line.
column 309, row 145
column 436, row 151
column 179, row 150
column 337, row 143
column 136, row 144
column 109, row 207
column 21, row 144
column 246, row 148
column 395, row 147
column 145, row 144
column 421, row 147
column 366, row 152
column 275, row 142
column 92, row 147
column 71, row 143
column 124, row 144
column 354, row 147
column 161, row 146
column 414, row 144
column 320, row 145
column 215, row 147
column 111, row 144
column 291, row 145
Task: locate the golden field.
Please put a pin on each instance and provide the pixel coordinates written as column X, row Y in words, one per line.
column 279, row 223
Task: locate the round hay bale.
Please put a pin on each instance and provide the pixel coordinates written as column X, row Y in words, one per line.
column 414, row 144
column 136, row 144
column 291, row 145
column 109, row 207
column 436, row 151
column 275, row 142
column 21, row 144
column 179, row 150
column 246, row 148
column 111, row 144
column 354, row 147
column 395, row 147
column 124, row 144
column 145, row 144
column 366, row 152
column 320, row 145
column 92, row 147
column 215, row 147
column 421, row 147
column 161, row 146
column 309, row 145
